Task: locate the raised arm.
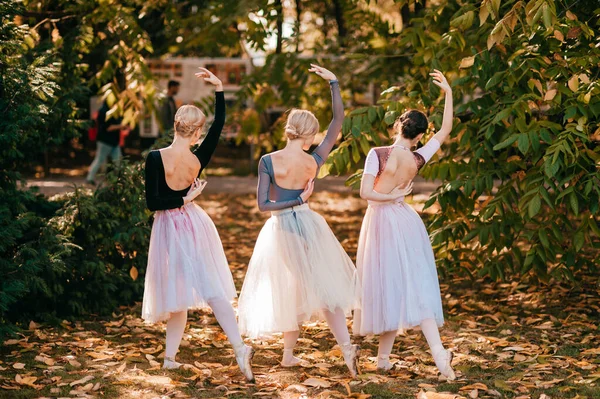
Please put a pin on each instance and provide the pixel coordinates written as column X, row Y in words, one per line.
column 154, row 201
column 440, row 80
column 335, row 126
column 264, row 186
column 205, row 151
column 367, row 183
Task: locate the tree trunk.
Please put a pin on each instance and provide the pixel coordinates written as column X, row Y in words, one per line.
column 279, row 9
column 341, row 22
column 406, row 14
column 298, row 20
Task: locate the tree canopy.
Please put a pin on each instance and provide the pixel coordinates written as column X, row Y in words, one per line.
column 521, row 183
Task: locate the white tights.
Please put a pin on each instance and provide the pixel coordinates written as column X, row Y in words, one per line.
column 337, row 324
column 223, row 313
column 431, row 332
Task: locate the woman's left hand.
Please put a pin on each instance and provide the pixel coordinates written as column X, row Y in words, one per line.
column 440, row 80
column 210, row 77
column 322, row 72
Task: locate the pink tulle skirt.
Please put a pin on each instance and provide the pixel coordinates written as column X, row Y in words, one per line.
column 187, row 266
column 397, row 271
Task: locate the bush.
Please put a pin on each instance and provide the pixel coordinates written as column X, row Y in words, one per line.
column 28, row 247
column 521, row 188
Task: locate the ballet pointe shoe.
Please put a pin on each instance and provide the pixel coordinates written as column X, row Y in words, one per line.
column 383, row 363
column 351, row 355
column 171, row 364
column 443, row 361
column 243, row 357
column 289, row 360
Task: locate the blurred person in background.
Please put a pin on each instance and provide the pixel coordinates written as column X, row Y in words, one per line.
column 169, row 107
column 107, row 141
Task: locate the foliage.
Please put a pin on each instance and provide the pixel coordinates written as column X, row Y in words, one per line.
column 105, row 235
column 523, row 187
column 28, row 84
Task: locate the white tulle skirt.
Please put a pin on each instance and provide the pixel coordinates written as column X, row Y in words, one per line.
column 397, row 271
column 187, row 266
column 298, row 269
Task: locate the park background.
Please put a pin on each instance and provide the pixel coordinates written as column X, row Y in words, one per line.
column 511, row 202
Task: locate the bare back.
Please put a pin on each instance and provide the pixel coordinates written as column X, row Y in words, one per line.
column 181, row 167
column 396, row 166
column 399, row 170
column 293, row 171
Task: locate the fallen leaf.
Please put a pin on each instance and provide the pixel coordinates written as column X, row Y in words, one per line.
column 316, row 383
column 477, row 385
column 45, row 360
column 434, row 395
column 297, row 387
column 19, row 366
column 82, row 381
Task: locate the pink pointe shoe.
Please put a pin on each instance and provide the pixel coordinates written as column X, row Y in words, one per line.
column 243, row 356
column 351, row 356
column 383, row 363
column 443, row 361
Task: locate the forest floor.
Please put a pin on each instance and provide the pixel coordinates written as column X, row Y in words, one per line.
column 511, row 340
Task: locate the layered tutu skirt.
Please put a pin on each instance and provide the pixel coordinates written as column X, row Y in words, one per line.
column 397, row 270
column 187, row 266
column 298, row 269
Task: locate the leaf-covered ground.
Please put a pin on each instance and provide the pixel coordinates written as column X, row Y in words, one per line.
column 511, row 340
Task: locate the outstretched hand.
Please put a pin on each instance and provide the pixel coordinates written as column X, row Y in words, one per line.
column 322, row 72
column 209, row 77
column 440, row 80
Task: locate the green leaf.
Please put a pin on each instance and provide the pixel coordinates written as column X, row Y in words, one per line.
column 372, row 113
column 506, row 143
column 355, row 153
column 579, row 240
column 534, row 206
column 544, row 238
column 464, row 21
column 500, row 116
column 574, row 202
column 523, row 143
column 346, row 125
column 355, row 131
column 390, row 117
column 364, row 144
column 494, row 80
column 545, row 135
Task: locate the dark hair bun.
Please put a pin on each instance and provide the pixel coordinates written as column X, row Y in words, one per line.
column 411, row 123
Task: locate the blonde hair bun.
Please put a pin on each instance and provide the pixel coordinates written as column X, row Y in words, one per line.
column 301, row 124
column 188, row 120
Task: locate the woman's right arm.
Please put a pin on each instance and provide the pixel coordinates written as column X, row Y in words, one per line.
column 154, row 201
column 264, row 186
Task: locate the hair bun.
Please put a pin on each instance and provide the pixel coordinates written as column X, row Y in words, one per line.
column 411, row 123
column 291, row 132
